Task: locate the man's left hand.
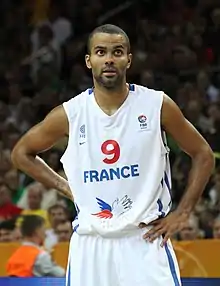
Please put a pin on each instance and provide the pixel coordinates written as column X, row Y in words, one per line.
column 165, row 227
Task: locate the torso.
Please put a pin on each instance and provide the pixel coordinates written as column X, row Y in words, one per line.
column 116, row 164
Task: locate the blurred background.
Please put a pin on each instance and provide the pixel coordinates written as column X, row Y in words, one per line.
column 175, row 44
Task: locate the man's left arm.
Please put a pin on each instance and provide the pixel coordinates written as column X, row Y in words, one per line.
column 203, row 163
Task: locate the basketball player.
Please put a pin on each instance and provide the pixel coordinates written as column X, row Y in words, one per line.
column 118, row 171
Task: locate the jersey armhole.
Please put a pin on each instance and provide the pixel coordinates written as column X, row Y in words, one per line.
column 163, row 137
column 69, row 117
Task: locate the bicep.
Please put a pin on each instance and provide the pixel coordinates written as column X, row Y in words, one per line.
column 45, row 134
column 180, row 129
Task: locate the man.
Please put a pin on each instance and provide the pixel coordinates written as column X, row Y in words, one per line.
column 57, row 214
column 8, row 210
column 34, row 199
column 216, row 228
column 6, row 230
column 64, row 231
column 29, row 259
column 191, row 230
column 117, row 167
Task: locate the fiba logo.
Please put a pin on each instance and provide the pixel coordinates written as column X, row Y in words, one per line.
column 143, row 121
column 82, row 131
column 142, row 118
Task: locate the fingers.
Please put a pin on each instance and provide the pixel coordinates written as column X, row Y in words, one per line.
column 154, row 233
column 160, row 228
column 165, row 239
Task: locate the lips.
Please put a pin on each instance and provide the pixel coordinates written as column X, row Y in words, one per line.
column 109, row 72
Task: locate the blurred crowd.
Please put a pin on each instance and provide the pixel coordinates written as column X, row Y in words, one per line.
column 175, row 44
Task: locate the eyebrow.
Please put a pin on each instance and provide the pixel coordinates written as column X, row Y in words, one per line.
column 103, row 48
column 99, row 47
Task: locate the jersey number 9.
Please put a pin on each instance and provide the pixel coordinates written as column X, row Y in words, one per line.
column 111, row 148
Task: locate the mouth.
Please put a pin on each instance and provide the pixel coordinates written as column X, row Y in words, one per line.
column 109, row 73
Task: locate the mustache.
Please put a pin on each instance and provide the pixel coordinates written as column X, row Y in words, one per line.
column 109, row 69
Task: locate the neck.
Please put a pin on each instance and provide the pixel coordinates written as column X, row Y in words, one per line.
column 33, row 240
column 110, row 100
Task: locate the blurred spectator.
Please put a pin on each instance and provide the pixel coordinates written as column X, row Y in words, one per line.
column 46, row 54
column 49, row 196
column 35, row 195
column 30, row 259
column 216, row 228
column 7, row 208
column 6, row 231
column 191, row 230
column 214, row 193
column 64, row 231
column 60, row 26
column 11, row 179
column 57, row 214
column 5, row 163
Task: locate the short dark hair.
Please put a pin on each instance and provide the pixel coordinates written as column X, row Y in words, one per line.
column 30, row 224
column 58, row 206
column 108, row 29
column 7, row 224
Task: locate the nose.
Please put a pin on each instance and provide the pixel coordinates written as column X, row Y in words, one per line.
column 109, row 60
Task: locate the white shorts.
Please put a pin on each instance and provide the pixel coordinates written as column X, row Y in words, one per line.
column 128, row 261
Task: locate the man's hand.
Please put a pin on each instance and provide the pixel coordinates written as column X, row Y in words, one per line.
column 165, row 227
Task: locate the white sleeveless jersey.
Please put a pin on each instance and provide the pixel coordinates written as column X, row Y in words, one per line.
column 117, row 166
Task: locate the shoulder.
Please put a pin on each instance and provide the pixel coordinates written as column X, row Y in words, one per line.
column 79, row 97
column 149, row 95
column 74, row 104
column 143, row 90
column 170, row 110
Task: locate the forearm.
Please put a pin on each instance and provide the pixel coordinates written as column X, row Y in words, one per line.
column 36, row 168
column 44, row 266
column 202, row 166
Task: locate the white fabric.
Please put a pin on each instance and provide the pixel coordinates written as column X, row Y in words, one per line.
column 128, row 261
column 114, row 197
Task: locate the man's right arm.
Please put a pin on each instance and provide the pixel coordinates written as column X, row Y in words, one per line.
column 37, row 140
column 44, row 266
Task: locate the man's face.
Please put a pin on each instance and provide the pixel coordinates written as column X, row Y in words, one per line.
column 5, row 235
column 12, row 180
column 34, row 197
column 64, row 231
column 109, row 59
column 57, row 215
column 189, row 232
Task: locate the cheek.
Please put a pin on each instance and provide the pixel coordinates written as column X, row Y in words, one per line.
column 96, row 62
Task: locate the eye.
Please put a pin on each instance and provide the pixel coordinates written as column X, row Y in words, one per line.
column 118, row 53
column 100, row 52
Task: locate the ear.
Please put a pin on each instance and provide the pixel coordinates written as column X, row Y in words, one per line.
column 129, row 60
column 87, row 60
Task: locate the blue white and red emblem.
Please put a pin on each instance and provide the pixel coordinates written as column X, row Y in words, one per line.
column 142, row 118
column 118, row 207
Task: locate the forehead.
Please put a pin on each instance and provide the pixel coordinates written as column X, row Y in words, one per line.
column 56, row 210
column 35, row 191
column 107, row 40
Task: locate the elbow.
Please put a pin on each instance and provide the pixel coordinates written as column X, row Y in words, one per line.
column 207, row 158
column 15, row 157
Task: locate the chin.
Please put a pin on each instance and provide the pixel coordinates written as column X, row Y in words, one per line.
column 110, row 83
